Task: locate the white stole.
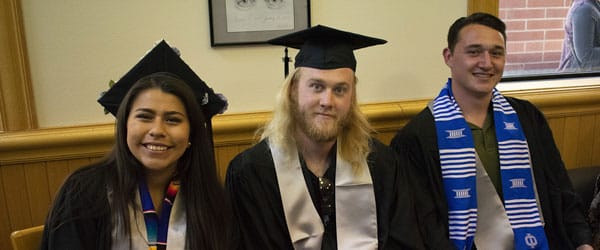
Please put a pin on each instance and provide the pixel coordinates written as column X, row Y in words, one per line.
column 356, row 214
column 493, row 227
column 138, row 233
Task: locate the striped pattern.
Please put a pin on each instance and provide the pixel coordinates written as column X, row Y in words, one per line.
column 501, row 105
column 458, row 166
column 458, row 163
column 157, row 225
column 459, row 172
column 513, row 154
column 517, row 178
column 445, row 109
column 462, row 224
column 523, row 213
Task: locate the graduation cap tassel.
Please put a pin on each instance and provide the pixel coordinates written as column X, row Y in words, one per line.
column 286, row 61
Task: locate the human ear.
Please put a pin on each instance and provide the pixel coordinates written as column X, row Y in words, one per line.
column 447, row 54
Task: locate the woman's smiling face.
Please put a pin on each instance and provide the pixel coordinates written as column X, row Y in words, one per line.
column 158, row 130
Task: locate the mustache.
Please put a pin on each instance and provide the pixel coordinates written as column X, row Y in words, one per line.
column 332, row 114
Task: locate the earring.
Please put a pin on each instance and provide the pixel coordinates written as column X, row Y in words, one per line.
column 189, row 144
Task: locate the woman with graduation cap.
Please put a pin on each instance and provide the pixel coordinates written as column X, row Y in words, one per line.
column 158, row 187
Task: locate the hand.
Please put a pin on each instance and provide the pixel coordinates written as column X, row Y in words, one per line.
column 585, row 247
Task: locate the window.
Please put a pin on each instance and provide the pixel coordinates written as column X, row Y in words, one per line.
column 535, row 36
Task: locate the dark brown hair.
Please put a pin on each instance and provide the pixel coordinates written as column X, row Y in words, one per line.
column 475, row 18
column 83, row 200
column 196, row 169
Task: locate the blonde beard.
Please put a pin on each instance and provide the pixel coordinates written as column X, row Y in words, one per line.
column 317, row 131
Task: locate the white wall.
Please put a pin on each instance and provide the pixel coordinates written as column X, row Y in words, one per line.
column 76, row 47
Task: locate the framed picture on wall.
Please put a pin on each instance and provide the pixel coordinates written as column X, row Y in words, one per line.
column 235, row 22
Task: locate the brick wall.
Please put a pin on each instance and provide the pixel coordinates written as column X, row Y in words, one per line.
column 535, row 31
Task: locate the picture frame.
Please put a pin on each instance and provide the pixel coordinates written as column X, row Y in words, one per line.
column 238, row 22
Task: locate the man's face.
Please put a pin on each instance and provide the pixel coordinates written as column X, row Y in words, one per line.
column 477, row 62
column 321, row 102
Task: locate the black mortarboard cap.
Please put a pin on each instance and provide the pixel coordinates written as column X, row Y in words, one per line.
column 162, row 58
column 323, row 47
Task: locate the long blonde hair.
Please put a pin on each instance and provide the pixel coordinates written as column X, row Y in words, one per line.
column 354, row 139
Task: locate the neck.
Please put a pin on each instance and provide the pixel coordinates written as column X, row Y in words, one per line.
column 315, row 154
column 474, row 108
column 157, row 183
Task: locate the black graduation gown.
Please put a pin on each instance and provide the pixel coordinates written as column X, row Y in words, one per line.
column 563, row 212
column 252, row 183
column 81, row 217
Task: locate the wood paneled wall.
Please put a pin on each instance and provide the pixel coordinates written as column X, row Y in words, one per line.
column 33, row 164
column 17, row 109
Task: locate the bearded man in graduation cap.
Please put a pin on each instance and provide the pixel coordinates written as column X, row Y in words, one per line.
column 317, row 179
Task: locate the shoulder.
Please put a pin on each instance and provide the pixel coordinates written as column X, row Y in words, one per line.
column 420, row 127
column 89, row 175
column 251, row 159
column 517, row 102
column 85, row 185
column 382, row 156
column 423, row 119
column 532, row 120
column 585, row 9
column 588, row 5
column 524, row 108
column 376, row 144
column 83, row 194
column 254, row 153
column 380, row 149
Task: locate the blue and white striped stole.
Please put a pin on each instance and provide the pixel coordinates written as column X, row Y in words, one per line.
column 458, row 166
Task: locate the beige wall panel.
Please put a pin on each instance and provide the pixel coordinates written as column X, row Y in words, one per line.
column 596, row 142
column 574, row 117
column 95, row 159
column 571, row 139
column 557, row 125
column 100, row 40
column 57, row 172
column 585, row 140
column 13, row 178
column 17, row 111
column 5, row 228
column 37, row 191
column 488, row 6
column 385, row 137
column 75, row 164
column 224, row 154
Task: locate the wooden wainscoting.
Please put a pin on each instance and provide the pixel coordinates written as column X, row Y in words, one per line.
column 33, row 164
